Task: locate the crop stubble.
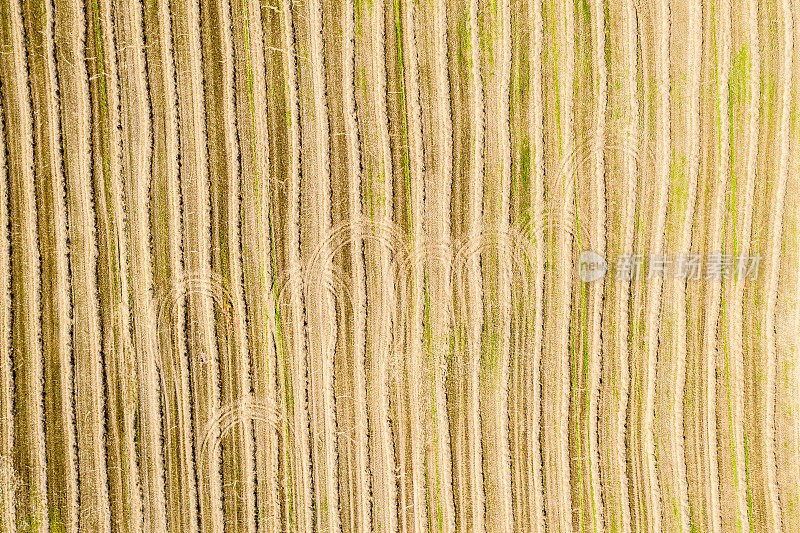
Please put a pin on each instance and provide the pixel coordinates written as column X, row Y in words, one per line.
column 277, row 265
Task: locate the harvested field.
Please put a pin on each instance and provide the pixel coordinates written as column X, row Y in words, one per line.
column 347, row 265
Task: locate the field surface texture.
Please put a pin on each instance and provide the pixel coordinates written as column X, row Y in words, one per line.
column 399, row 265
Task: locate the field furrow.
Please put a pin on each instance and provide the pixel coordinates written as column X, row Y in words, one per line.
column 9, row 475
column 137, row 134
column 90, row 401
column 356, row 265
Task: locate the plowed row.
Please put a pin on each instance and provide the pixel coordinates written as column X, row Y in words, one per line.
column 271, row 265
